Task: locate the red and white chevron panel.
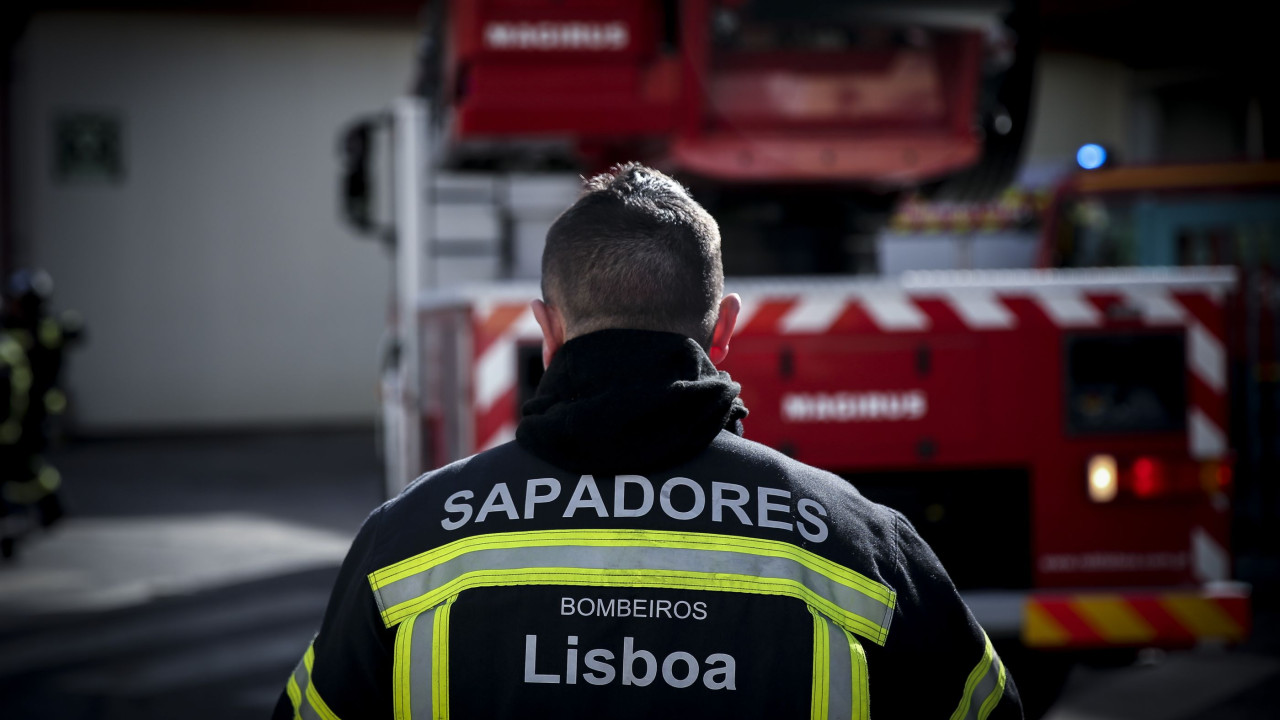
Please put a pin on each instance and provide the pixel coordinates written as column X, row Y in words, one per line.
column 923, row 303
column 498, row 327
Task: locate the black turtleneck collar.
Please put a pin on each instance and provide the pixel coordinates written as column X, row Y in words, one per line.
column 618, row 401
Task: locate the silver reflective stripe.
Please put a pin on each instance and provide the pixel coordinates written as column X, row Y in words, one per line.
column 302, row 678
column 840, row 673
column 591, row 557
column 420, row 658
column 984, row 688
column 301, row 706
column 988, row 690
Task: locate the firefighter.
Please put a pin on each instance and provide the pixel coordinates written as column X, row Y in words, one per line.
column 34, row 346
column 630, row 554
column 15, row 385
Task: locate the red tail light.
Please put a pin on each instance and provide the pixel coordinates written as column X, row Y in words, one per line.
column 1147, row 478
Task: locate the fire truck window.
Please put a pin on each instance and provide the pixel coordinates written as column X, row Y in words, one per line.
column 1125, row 384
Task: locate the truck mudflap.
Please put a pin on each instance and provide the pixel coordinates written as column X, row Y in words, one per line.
column 1147, row 617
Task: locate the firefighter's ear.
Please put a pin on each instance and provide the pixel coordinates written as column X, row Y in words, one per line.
column 552, row 324
column 729, row 307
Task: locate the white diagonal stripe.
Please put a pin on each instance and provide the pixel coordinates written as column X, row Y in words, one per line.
column 980, row 309
column 504, row 434
column 893, row 310
column 526, row 326
column 495, row 372
column 1205, row 438
column 813, row 314
column 1156, row 305
column 1210, row 561
column 749, row 307
column 1067, row 307
column 1206, row 358
column 483, row 308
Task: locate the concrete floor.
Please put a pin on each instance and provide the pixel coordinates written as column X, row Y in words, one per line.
column 188, row 577
column 329, row 479
column 192, row 572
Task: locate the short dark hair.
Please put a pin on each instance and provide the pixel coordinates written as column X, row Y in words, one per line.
column 635, row 251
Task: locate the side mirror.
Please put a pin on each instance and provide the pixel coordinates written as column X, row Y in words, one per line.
column 359, row 202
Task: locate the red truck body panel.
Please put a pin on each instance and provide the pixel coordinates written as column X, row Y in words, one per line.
column 604, row 76
column 940, row 377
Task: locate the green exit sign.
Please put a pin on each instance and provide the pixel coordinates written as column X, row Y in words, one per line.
column 88, row 147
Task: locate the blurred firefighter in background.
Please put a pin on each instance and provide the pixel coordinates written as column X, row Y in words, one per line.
column 32, row 344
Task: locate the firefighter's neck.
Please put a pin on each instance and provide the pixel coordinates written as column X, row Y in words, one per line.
column 555, row 330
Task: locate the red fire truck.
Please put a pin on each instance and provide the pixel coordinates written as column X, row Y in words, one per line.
column 1225, row 213
column 1058, row 436
column 797, row 122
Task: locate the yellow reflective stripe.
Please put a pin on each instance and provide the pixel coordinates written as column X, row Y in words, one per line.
column 1039, row 629
column 1114, row 619
column 974, row 676
column 11, row 351
column 15, row 357
column 50, row 332
column 313, row 696
column 401, row 685
column 10, row 432
column 988, row 685
column 295, row 696
column 667, row 579
column 440, row 663
column 633, row 538
column 20, row 379
column 409, row 587
column 420, row 668
column 990, row 703
column 55, row 401
column 840, row 689
column 861, row 688
column 1202, row 616
column 819, row 697
column 306, row 700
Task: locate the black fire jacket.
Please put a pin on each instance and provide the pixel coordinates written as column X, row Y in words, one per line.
column 631, row 556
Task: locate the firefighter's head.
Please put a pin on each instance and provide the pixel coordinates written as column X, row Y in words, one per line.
column 27, row 293
column 635, row 251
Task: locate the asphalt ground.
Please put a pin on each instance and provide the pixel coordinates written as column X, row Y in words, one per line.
column 191, row 573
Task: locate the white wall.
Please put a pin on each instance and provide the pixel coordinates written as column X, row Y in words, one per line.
column 217, row 283
column 1078, row 100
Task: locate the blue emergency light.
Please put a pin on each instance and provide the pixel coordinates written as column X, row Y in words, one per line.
column 1091, row 156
